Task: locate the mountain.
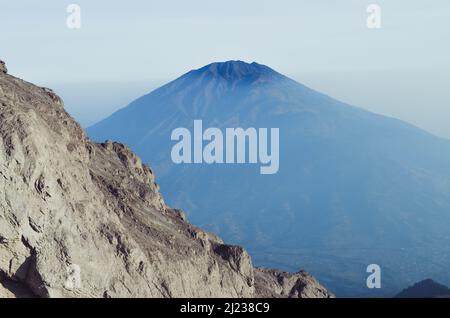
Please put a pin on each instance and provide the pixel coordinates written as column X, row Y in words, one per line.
column 353, row 188
column 79, row 219
column 425, row 289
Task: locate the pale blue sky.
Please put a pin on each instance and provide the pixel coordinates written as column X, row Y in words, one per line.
column 126, row 48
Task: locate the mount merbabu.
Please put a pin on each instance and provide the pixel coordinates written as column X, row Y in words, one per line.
column 66, row 201
column 353, row 188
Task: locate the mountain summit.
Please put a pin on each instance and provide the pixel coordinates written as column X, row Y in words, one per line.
column 353, row 188
column 238, row 70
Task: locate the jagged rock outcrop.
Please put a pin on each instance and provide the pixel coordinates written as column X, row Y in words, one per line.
column 3, row 68
column 79, row 219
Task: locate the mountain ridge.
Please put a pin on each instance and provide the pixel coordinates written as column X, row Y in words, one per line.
column 427, row 288
column 252, row 71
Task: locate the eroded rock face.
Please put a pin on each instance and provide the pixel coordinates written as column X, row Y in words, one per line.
column 79, row 219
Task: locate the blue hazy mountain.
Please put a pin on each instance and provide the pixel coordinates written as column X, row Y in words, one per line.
column 353, row 187
column 427, row 288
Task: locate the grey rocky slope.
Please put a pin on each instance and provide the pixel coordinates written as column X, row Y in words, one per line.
column 67, row 204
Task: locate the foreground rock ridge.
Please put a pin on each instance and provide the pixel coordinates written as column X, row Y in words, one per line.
column 79, row 219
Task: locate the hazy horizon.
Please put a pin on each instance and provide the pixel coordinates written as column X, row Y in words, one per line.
column 123, row 51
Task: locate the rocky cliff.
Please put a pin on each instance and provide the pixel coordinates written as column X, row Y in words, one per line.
column 79, row 219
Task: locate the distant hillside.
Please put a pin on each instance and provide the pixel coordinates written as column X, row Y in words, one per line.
column 425, row 289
